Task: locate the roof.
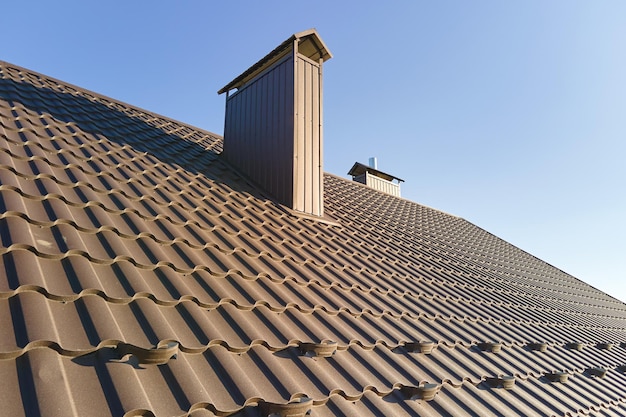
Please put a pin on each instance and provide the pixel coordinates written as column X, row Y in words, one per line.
column 360, row 169
column 142, row 275
column 309, row 43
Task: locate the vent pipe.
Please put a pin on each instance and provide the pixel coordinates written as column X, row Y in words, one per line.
column 273, row 124
column 373, row 163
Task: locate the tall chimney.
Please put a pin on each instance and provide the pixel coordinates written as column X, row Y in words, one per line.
column 273, row 126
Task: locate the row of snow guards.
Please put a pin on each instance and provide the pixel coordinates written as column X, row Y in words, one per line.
column 428, row 391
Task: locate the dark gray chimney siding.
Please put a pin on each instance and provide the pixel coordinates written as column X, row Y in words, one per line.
column 273, row 124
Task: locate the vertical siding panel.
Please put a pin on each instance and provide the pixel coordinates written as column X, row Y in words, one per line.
column 233, row 146
column 277, row 103
column 307, row 138
column 282, row 156
column 238, row 128
column 283, row 114
column 261, row 144
column 245, row 129
column 316, row 173
column 290, row 130
column 299, row 139
column 274, row 94
column 252, row 113
column 250, row 133
column 268, row 120
column 243, row 103
column 231, row 115
column 271, row 141
column 261, row 101
column 228, row 123
column 230, row 147
column 304, row 118
column 227, row 116
column 320, row 197
column 286, row 121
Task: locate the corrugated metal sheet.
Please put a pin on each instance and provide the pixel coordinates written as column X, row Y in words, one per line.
column 142, row 275
column 308, row 158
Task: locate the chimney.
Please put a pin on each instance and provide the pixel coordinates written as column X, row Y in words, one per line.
column 273, row 126
column 372, row 177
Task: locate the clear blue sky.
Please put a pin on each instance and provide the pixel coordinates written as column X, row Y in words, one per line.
column 511, row 115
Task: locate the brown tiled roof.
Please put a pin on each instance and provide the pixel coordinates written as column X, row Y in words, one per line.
column 142, row 275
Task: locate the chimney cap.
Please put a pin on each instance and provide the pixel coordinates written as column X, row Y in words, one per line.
column 309, row 44
column 359, row 169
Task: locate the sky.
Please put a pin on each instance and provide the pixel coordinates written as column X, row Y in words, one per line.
column 511, row 115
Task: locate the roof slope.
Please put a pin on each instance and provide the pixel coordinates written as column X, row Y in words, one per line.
column 141, row 274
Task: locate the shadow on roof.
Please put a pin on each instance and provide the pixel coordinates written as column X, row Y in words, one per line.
column 171, row 142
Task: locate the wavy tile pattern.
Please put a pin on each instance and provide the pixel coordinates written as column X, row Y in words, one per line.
column 142, row 275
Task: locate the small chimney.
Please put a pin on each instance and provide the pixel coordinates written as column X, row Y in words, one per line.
column 372, row 177
column 273, row 126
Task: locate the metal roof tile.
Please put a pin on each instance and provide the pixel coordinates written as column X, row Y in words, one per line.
column 126, row 240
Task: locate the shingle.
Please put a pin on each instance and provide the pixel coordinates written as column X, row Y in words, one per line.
column 124, row 235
